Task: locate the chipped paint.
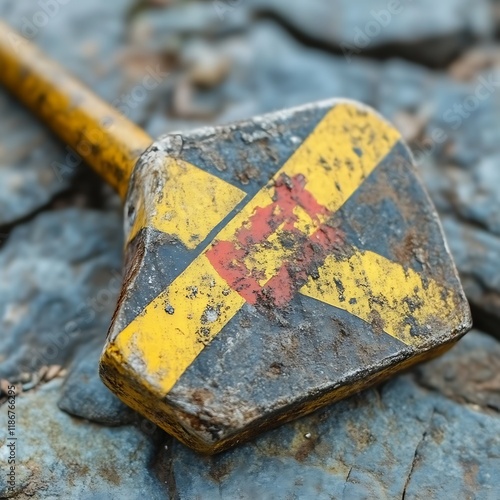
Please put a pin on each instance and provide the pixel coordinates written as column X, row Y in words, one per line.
column 168, row 343
column 187, row 203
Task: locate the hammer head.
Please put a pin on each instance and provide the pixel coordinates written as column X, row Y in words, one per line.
column 274, row 266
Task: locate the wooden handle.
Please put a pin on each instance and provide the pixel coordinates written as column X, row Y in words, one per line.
column 103, row 137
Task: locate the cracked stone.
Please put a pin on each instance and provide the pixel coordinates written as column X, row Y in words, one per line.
column 410, row 29
column 476, row 254
column 84, row 395
column 469, row 374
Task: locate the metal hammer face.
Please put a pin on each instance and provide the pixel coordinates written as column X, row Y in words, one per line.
column 274, row 266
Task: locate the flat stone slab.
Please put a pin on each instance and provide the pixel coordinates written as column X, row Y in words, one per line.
column 60, row 275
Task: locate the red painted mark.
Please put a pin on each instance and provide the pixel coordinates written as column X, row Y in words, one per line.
column 308, row 252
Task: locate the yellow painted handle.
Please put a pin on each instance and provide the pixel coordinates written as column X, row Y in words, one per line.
column 103, row 137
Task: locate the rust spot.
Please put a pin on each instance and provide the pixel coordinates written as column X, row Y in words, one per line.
column 248, row 173
column 201, row 396
column 359, row 434
column 408, row 249
column 305, row 448
column 377, row 322
column 275, row 370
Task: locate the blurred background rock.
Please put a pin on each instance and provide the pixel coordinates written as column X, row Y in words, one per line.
column 433, row 68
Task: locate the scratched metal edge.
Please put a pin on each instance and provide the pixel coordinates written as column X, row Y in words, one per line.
column 123, row 382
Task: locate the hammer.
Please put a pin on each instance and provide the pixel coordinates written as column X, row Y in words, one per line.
column 272, row 266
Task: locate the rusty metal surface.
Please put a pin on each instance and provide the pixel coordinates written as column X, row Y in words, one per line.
column 272, row 360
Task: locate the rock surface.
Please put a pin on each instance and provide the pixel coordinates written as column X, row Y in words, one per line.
column 404, row 28
column 476, row 254
column 60, row 456
column 84, row 395
column 65, row 266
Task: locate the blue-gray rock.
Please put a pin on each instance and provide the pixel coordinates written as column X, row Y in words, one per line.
column 84, row 395
column 59, row 280
column 59, row 456
column 267, row 70
column 469, row 374
column 27, row 179
column 398, row 441
column 425, row 30
column 167, row 29
column 476, row 254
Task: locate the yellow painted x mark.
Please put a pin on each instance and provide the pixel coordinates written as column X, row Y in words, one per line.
column 335, row 159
